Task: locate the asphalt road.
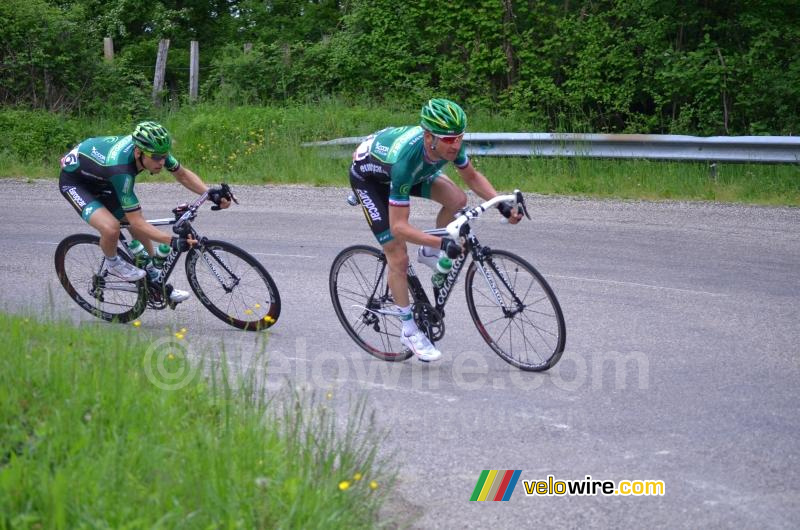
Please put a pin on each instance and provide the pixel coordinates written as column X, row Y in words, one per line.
column 681, row 362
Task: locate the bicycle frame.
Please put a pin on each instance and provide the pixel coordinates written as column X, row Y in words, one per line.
column 181, row 225
column 460, row 229
column 478, row 253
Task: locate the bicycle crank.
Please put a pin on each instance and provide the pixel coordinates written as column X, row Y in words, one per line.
column 429, row 320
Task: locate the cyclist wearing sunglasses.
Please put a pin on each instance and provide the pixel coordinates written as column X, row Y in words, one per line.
column 395, row 163
column 98, row 176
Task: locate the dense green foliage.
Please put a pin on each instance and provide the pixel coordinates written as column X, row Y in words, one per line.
column 97, row 431
column 644, row 66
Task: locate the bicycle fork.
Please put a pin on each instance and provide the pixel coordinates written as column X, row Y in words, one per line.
column 489, row 276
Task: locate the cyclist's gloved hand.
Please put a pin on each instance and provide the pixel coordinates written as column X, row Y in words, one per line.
column 215, row 195
column 220, row 196
column 181, row 244
column 450, row 247
column 514, row 215
column 505, row 209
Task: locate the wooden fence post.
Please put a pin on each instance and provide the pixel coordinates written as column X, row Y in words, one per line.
column 161, row 68
column 108, row 48
column 194, row 69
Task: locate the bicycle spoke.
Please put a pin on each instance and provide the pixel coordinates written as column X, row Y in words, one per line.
column 233, row 285
column 358, row 285
column 533, row 336
column 79, row 262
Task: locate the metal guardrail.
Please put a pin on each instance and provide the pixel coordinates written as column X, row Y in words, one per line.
column 754, row 149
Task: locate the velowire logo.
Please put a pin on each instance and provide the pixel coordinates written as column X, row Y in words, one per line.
column 496, row 485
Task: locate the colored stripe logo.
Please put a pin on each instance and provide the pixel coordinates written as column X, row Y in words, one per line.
column 496, row 485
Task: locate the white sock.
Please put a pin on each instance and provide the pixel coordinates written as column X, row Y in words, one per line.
column 407, row 319
column 113, row 259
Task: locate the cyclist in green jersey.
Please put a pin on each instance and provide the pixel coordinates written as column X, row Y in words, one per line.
column 395, row 163
column 98, row 176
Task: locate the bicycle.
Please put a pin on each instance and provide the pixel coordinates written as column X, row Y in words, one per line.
column 513, row 298
column 231, row 283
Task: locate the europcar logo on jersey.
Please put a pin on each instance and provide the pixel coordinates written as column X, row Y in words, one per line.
column 496, row 485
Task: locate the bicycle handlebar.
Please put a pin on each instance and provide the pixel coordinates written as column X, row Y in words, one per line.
column 454, row 228
column 191, row 211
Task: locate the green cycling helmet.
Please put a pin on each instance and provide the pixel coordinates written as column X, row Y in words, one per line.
column 443, row 117
column 152, row 137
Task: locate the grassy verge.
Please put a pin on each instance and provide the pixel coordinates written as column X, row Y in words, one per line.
column 264, row 145
column 87, row 440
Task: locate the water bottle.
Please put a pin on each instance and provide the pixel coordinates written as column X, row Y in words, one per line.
column 140, row 255
column 162, row 251
column 443, row 266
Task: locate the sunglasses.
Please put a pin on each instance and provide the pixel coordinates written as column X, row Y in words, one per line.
column 449, row 139
column 153, row 156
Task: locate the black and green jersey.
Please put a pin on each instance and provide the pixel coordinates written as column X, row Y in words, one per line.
column 396, row 155
column 109, row 161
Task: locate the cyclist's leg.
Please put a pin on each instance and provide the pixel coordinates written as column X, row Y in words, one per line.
column 397, row 260
column 374, row 199
column 448, row 194
column 94, row 209
column 444, row 191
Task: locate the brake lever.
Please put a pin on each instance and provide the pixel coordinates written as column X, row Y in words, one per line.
column 521, row 202
column 229, row 193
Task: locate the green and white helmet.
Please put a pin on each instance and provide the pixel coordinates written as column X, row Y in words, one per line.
column 443, row 117
column 152, row 137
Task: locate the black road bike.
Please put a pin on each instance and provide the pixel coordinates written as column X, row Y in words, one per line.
column 511, row 304
column 228, row 281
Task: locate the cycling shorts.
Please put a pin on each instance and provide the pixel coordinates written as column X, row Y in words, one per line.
column 86, row 197
column 373, row 196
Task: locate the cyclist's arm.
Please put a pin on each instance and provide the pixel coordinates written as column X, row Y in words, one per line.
column 477, row 182
column 402, row 229
column 190, row 180
column 481, row 185
column 143, row 228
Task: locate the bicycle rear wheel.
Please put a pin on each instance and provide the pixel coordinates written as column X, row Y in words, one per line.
column 233, row 285
column 363, row 303
column 526, row 326
column 79, row 265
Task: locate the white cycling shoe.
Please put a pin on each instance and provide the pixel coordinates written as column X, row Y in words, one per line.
column 420, row 346
column 178, row 296
column 430, row 261
column 124, row 270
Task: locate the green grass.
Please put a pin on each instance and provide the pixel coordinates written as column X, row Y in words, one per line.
column 87, row 440
column 256, row 145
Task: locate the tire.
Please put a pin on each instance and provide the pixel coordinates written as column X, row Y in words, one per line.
column 250, row 301
column 353, row 278
column 78, row 260
column 537, row 325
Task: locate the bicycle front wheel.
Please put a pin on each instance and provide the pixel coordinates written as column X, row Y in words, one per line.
column 79, row 265
column 233, row 285
column 516, row 311
column 363, row 303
